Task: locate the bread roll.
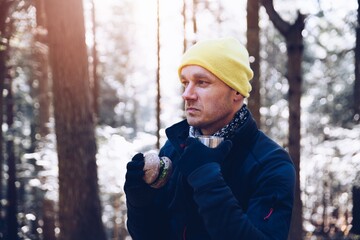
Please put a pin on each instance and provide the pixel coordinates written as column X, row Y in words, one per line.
column 157, row 170
column 151, row 167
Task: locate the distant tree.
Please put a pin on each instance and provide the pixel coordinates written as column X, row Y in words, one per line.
column 253, row 46
column 79, row 203
column 6, row 31
column 42, row 68
column 12, row 195
column 294, row 43
column 94, row 64
column 357, row 68
column 158, row 87
column 183, row 12
column 356, row 208
column 4, row 44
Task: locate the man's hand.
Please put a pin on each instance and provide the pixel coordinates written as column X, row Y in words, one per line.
column 138, row 193
column 197, row 154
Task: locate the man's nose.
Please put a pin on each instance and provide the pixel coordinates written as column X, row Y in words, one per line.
column 189, row 92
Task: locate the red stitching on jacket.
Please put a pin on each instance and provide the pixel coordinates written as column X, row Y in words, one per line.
column 184, row 233
column 269, row 214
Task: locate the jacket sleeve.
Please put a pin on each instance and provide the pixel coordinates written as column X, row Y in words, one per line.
column 152, row 221
column 269, row 209
column 148, row 222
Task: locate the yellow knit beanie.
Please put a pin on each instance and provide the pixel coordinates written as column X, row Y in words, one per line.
column 226, row 58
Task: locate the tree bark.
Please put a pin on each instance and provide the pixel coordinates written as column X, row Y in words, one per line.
column 79, row 202
column 356, row 93
column 12, row 196
column 95, row 77
column 5, row 34
column 158, row 87
column 356, row 210
column 253, row 46
column 41, row 56
column 294, row 43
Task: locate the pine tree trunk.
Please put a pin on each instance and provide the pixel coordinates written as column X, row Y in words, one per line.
column 356, row 210
column 356, row 93
column 49, row 219
column 294, row 43
column 295, row 50
column 253, row 46
column 5, row 33
column 12, row 196
column 79, row 202
column 95, row 78
column 41, row 56
column 158, row 87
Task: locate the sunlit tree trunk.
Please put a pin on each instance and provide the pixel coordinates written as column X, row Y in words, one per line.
column 79, row 202
column 158, row 88
column 294, row 43
column 253, row 46
column 95, row 78
column 357, row 69
column 194, row 21
column 41, row 55
column 184, row 26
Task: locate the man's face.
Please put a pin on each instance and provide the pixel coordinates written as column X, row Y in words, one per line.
column 209, row 102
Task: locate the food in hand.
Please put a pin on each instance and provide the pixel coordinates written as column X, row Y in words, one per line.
column 157, row 170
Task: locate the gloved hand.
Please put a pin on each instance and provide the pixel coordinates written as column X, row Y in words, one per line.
column 138, row 193
column 197, row 154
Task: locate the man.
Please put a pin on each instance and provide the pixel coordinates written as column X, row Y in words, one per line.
column 242, row 189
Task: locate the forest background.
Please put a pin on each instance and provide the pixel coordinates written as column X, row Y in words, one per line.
column 87, row 84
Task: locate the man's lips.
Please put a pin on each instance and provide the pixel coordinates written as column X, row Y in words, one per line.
column 191, row 109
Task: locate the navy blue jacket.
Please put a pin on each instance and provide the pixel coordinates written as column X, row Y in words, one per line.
column 249, row 196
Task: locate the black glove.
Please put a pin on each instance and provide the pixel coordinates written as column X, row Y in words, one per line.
column 138, row 193
column 197, row 154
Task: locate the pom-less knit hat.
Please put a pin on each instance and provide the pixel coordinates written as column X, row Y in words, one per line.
column 226, row 58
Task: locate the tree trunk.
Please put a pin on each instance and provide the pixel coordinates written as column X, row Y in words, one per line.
column 184, row 26
column 356, row 210
column 79, row 202
column 158, row 88
column 357, row 69
column 12, row 196
column 294, row 43
column 49, row 219
column 194, row 21
column 95, row 78
column 41, row 56
column 253, row 46
column 5, row 34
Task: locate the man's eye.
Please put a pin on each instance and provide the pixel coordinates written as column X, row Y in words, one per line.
column 202, row 83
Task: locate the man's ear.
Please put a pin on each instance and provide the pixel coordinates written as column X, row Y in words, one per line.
column 238, row 97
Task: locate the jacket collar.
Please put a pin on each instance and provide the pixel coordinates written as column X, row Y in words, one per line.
column 245, row 135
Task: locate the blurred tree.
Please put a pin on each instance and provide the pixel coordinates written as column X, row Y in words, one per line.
column 357, row 68
column 294, row 43
column 79, row 203
column 253, row 46
column 184, row 16
column 6, row 31
column 12, row 196
column 356, row 209
column 158, row 87
column 94, row 63
column 42, row 68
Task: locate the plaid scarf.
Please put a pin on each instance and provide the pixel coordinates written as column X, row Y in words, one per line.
column 229, row 130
